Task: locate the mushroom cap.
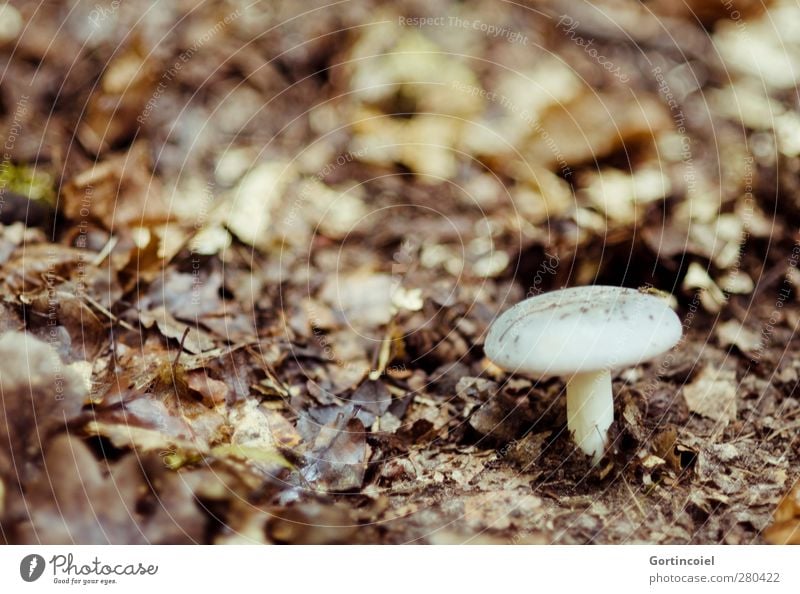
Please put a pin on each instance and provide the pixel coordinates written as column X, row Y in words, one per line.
column 582, row 329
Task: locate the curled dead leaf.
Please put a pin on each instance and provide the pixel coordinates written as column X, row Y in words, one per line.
column 785, row 528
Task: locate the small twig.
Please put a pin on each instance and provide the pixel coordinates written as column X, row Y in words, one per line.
column 107, row 248
column 633, row 496
column 744, row 437
column 99, row 307
column 180, row 349
column 783, row 430
column 106, row 312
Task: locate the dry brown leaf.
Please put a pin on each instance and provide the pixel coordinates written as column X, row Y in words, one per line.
column 121, row 98
column 735, row 333
column 212, row 390
column 711, row 296
column 248, row 210
column 39, row 393
column 259, row 427
column 338, row 456
column 192, row 338
column 81, row 500
column 712, row 394
column 785, row 528
column 360, row 299
column 594, row 125
column 119, row 192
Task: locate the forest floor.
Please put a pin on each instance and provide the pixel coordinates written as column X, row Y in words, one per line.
column 249, row 255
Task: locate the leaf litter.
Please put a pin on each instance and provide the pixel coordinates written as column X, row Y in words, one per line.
column 268, row 326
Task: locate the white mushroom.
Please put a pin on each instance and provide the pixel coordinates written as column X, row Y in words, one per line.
column 583, row 333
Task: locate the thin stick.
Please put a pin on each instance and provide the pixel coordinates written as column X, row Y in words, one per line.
column 180, row 349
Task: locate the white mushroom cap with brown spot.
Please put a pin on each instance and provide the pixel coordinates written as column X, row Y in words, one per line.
column 582, row 329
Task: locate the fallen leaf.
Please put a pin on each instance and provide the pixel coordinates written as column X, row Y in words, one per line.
column 248, row 210
column 338, row 456
column 119, row 100
column 711, row 296
column 593, row 125
column 734, row 333
column 712, row 394
column 313, row 524
column 193, row 338
column 502, row 417
column 785, row 528
column 371, row 399
column 212, row 390
column 259, row 427
column 251, row 454
column 80, row 500
column 39, row 394
column 119, row 192
column 360, row 299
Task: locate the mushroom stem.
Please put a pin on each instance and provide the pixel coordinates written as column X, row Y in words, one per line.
column 590, row 410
